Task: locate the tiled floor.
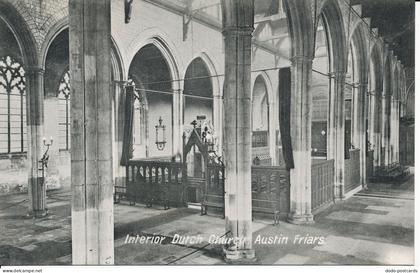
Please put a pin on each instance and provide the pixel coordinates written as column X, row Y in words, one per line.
column 373, row 227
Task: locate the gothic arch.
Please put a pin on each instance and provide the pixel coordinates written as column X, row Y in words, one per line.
column 387, row 75
column 268, row 85
column 300, row 22
column 358, row 41
column 376, row 63
column 27, row 43
column 332, row 17
column 157, row 38
column 212, row 69
column 53, row 32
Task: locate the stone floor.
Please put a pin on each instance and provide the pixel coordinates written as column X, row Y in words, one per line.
column 375, row 226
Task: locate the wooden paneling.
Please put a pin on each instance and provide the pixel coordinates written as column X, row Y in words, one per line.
column 352, row 171
column 322, row 180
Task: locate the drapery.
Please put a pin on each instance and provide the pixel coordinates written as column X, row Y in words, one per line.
column 285, row 93
column 127, row 149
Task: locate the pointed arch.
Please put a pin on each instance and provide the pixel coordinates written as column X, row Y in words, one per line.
column 332, row 17
column 25, row 39
column 168, row 50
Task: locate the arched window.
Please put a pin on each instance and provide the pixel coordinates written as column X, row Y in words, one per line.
column 64, row 112
column 12, row 106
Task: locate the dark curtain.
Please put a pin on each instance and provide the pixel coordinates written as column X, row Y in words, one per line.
column 127, row 149
column 347, row 139
column 285, row 92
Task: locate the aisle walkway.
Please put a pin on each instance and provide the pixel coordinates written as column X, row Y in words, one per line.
column 373, row 227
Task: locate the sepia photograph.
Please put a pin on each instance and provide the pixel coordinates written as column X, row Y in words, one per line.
column 207, row 132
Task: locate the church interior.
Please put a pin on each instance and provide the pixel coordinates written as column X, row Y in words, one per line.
column 220, row 119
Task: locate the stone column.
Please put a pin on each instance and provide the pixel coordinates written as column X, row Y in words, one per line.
column 375, row 126
column 91, row 132
column 355, row 116
column 336, row 116
column 118, row 131
column 386, row 100
column 300, row 120
column 35, row 122
column 394, row 129
column 272, row 133
column 218, row 121
column 177, row 124
column 362, row 132
column 397, row 141
column 237, row 34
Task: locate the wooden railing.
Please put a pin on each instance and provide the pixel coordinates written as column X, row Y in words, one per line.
column 322, row 183
column 153, row 182
column 214, row 193
column 156, row 182
column 352, row 171
column 259, row 139
column 270, row 191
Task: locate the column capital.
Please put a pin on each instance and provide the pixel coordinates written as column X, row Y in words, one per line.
column 337, row 74
column 363, row 85
column 238, row 30
column 301, row 59
column 32, row 70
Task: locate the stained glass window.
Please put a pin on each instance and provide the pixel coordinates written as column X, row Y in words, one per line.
column 12, row 106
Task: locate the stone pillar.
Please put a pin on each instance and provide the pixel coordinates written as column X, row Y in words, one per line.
column 336, row 116
column 177, row 124
column 35, row 122
column 237, row 34
column 91, row 132
column 118, row 131
column 355, row 116
column 218, row 121
column 386, row 100
column 51, row 129
column 272, row 132
column 375, row 126
column 300, row 120
column 394, row 130
column 362, row 132
column 397, row 141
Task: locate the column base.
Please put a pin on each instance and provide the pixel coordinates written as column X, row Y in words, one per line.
column 302, row 219
column 240, row 256
column 340, row 195
column 38, row 213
